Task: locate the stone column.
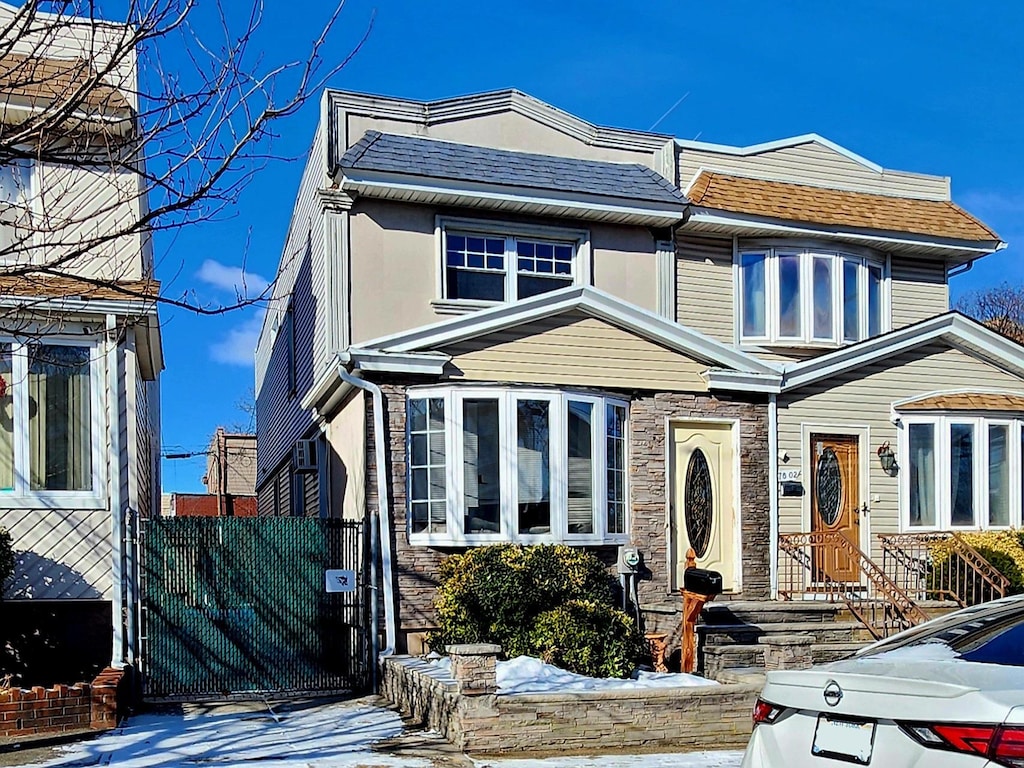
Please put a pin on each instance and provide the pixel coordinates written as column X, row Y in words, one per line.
column 475, row 668
column 787, row 651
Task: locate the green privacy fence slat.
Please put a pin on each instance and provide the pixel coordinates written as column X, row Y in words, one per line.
column 238, row 605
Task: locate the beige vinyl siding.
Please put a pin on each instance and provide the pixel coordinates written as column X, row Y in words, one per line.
column 919, row 291
column 576, row 350
column 704, row 285
column 59, row 555
column 816, row 165
column 863, row 398
column 280, row 420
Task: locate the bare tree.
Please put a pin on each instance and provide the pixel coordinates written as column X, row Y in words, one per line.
column 1000, row 308
column 114, row 131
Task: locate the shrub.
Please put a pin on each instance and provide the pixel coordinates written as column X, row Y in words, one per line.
column 1003, row 549
column 495, row 594
column 588, row 638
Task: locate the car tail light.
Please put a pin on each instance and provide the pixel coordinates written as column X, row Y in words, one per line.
column 1002, row 743
column 764, row 712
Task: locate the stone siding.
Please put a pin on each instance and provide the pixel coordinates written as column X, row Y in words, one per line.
column 667, row 719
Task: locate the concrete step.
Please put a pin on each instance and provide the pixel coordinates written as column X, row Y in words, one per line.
column 822, row 653
column 748, row 634
column 770, row 612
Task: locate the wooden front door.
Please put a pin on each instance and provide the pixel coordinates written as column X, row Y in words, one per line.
column 835, row 502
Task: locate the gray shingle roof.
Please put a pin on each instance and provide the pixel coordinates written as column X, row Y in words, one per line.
column 434, row 159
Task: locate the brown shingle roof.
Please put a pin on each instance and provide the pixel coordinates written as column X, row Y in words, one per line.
column 41, row 81
column 818, row 205
column 51, row 287
column 967, row 401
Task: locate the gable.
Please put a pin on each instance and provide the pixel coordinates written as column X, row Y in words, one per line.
column 573, row 348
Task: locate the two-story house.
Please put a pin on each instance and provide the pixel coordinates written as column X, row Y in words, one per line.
column 80, row 355
column 496, row 322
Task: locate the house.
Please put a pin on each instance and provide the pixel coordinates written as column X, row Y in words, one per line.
column 496, row 322
column 80, row 359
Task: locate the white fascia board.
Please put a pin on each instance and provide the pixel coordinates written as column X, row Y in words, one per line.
column 120, row 307
column 770, row 146
column 586, row 299
column 740, row 221
column 427, row 363
column 367, row 182
column 739, row 381
column 324, row 385
column 950, row 327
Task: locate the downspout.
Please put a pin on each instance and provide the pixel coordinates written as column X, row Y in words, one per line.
column 380, row 534
column 773, row 495
column 117, row 527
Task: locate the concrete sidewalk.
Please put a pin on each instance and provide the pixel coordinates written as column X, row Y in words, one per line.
column 361, row 733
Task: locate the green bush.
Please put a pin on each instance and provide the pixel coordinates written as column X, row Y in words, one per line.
column 588, row 638
column 1004, row 549
column 496, row 594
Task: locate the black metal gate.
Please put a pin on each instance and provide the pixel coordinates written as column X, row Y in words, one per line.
column 241, row 605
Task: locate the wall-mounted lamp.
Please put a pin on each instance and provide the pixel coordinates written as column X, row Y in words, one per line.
column 887, row 459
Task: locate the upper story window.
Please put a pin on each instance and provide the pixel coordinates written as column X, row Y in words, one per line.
column 490, row 262
column 806, row 296
column 961, row 471
column 15, row 197
column 49, row 436
column 489, row 465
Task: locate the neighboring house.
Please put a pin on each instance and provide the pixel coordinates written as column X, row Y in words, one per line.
column 231, row 473
column 496, row 322
column 80, row 358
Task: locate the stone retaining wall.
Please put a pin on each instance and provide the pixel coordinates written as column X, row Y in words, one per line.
column 668, row 719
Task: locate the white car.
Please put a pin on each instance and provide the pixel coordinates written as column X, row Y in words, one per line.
column 946, row 694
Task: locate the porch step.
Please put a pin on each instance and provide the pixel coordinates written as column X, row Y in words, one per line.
column 770, row 612
column 748, row 634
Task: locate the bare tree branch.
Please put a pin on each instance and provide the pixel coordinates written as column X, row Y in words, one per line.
column 1000, row 308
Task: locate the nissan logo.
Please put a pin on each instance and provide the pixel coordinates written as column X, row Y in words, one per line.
column 833, row 693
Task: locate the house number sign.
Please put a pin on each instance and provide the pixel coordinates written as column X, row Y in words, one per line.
column 340, row 580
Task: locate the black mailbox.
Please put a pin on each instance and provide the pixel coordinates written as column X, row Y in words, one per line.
column 701, row 581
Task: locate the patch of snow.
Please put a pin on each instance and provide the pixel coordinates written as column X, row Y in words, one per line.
column 674, row 760
column 524, row 674
column 931, row 651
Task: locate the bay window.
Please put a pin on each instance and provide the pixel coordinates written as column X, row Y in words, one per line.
column 488, row 465
column 48, row 412
column 486, row 262
column 961, row 472
column 807, row 296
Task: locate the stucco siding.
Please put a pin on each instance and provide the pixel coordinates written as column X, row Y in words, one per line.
column 816, row 165
column 346, row 440
column 704, row 285
column 862, row 399
column 919, row 291
column 576, row 350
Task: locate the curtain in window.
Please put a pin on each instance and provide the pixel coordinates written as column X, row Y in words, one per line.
column 922, row 475
column 961, row 473
column 481, row 454
column 753, row 294
column 581, row 468
column 533, row 458
column 60, row 413
column 6, row 420
column 998, row 475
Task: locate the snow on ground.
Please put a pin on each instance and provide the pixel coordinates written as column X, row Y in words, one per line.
column 335, row 735
column 525, row 674
column 680, row 760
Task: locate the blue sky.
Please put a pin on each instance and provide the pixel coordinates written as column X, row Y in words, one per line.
column 934, row 87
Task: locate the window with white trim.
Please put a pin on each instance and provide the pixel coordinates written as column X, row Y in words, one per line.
column 808, row 296
column 491, row 464
column 961, row 471
column 49, row 411
column 15, row 204
column 484, row 262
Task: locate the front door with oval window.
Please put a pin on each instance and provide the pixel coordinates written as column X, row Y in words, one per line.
column 703, row 504
column 835, row 503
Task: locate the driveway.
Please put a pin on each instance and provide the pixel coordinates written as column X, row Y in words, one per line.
column 343, row 734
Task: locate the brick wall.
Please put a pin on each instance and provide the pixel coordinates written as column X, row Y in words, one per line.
column 679, row 719
column 62, row 708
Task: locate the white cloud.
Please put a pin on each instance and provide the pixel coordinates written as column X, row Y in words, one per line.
column 238, row 347
column 234, row 279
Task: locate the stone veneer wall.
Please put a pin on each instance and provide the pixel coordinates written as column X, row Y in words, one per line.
column 678, row 719
column 417, row 568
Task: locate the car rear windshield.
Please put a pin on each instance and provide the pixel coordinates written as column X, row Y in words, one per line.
column 988, row 635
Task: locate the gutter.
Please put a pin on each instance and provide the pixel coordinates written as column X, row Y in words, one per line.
column 117, row 528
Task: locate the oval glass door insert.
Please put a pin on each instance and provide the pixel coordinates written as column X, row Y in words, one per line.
column 828, row 485
column 698, row 503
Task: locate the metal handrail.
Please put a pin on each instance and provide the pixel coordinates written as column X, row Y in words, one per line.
column 879, row 603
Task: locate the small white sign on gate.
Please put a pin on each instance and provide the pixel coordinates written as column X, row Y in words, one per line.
column 340, row 581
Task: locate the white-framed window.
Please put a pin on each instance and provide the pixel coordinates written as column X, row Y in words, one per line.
column 960, row 471
column 796, row 296
column 493, row 465
column 50, row 423
column 483, row 262
column 16, row 196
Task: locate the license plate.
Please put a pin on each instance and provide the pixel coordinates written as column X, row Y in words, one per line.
column 843, row 739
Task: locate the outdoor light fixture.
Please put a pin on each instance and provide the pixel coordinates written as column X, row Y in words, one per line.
column 887, row 459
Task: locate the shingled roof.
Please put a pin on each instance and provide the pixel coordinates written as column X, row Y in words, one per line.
column 64, row 287
column 967, row 401
column 818, row 205
column 429, row 158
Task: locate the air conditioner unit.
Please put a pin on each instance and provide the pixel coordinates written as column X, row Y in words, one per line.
column 305, row 456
